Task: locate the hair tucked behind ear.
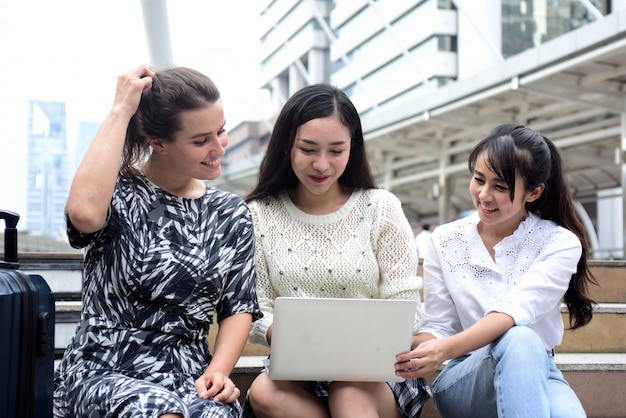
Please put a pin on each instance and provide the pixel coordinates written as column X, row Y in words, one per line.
column 515, row 150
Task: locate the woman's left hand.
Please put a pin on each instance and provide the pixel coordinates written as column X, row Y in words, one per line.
column 217, row 386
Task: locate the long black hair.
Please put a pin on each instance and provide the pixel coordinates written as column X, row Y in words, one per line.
column 311, row 102
column 514, row 150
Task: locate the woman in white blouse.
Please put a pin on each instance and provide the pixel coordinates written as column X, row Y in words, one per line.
column 493, row 286
column 323, row 229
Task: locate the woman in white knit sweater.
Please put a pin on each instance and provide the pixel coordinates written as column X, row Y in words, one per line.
column 323, row 229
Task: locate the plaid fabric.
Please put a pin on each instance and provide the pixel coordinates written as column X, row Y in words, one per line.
column 410, row 394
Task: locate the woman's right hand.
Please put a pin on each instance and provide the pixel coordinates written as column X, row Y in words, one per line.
column 130, row 86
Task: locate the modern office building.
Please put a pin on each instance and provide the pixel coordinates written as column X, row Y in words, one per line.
column 47, row 166
column 431, row 77
column 381, row 53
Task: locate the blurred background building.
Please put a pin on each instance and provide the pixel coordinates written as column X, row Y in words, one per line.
column 47, row 165
column 431, row 77
column 50, row 164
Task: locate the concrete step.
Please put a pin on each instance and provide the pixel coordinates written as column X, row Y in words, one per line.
column 598, row 379
column 63, row 271
column 68, row 315
column 604, row 334
column 592, row 358
column 611, row 277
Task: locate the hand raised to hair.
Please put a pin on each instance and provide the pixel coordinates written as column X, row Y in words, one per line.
column 130, row 86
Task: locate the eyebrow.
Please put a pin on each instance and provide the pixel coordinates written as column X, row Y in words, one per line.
column 203, row 134
column 497, row 178
column 311, row 142
column 200, row 135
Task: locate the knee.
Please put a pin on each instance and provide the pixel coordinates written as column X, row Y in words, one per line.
column 340, row 391
column 521, row 337
column 361, row 398
column 521, row 344
column 350, row 390
column 342, row 395
column 264, row 397
column 366, row 393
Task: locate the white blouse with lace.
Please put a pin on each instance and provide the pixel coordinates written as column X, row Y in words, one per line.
column 364, row 250
column 527, row 280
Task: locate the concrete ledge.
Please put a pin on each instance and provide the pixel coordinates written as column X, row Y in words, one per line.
column 68, row 306
column 245, row 365
column 603, row 308
column 598, row 336
column 564, row 361
column 598, row 379
column 619, row 308
column 591, row 361
column 75, row 306
column 249, row 364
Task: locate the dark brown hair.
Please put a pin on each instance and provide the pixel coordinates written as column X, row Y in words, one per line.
column 173, row 91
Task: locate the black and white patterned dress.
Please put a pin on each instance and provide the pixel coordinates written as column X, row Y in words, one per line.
column 154, row 277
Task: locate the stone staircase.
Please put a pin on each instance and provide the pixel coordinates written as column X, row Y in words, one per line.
column 593, row 358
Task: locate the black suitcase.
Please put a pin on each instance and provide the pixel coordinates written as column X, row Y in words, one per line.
column 26, row 335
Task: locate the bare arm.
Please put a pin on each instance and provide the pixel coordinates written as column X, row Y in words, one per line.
column 229, row 344
column 431, row 353
column 94, row 181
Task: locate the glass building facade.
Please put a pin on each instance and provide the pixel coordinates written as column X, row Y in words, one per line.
column 47, row 166
column 530, row 23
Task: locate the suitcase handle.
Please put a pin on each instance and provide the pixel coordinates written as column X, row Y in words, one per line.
column 10, row 237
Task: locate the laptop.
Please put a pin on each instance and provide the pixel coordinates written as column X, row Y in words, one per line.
column 339, row 339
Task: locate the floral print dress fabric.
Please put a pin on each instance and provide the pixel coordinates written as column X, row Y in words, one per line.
column 155, row 276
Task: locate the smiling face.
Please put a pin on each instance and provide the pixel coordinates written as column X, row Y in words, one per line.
column 492, row 199
column 198, row 146
column 320, row 154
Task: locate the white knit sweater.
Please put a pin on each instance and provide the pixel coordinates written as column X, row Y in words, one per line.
column 365, row 249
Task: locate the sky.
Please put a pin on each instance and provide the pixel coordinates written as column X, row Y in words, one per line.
column 73, row 50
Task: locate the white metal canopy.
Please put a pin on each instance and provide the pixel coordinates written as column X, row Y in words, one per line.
column 576, row 99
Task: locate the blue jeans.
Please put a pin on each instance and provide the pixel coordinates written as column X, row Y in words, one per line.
column 512, row 377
